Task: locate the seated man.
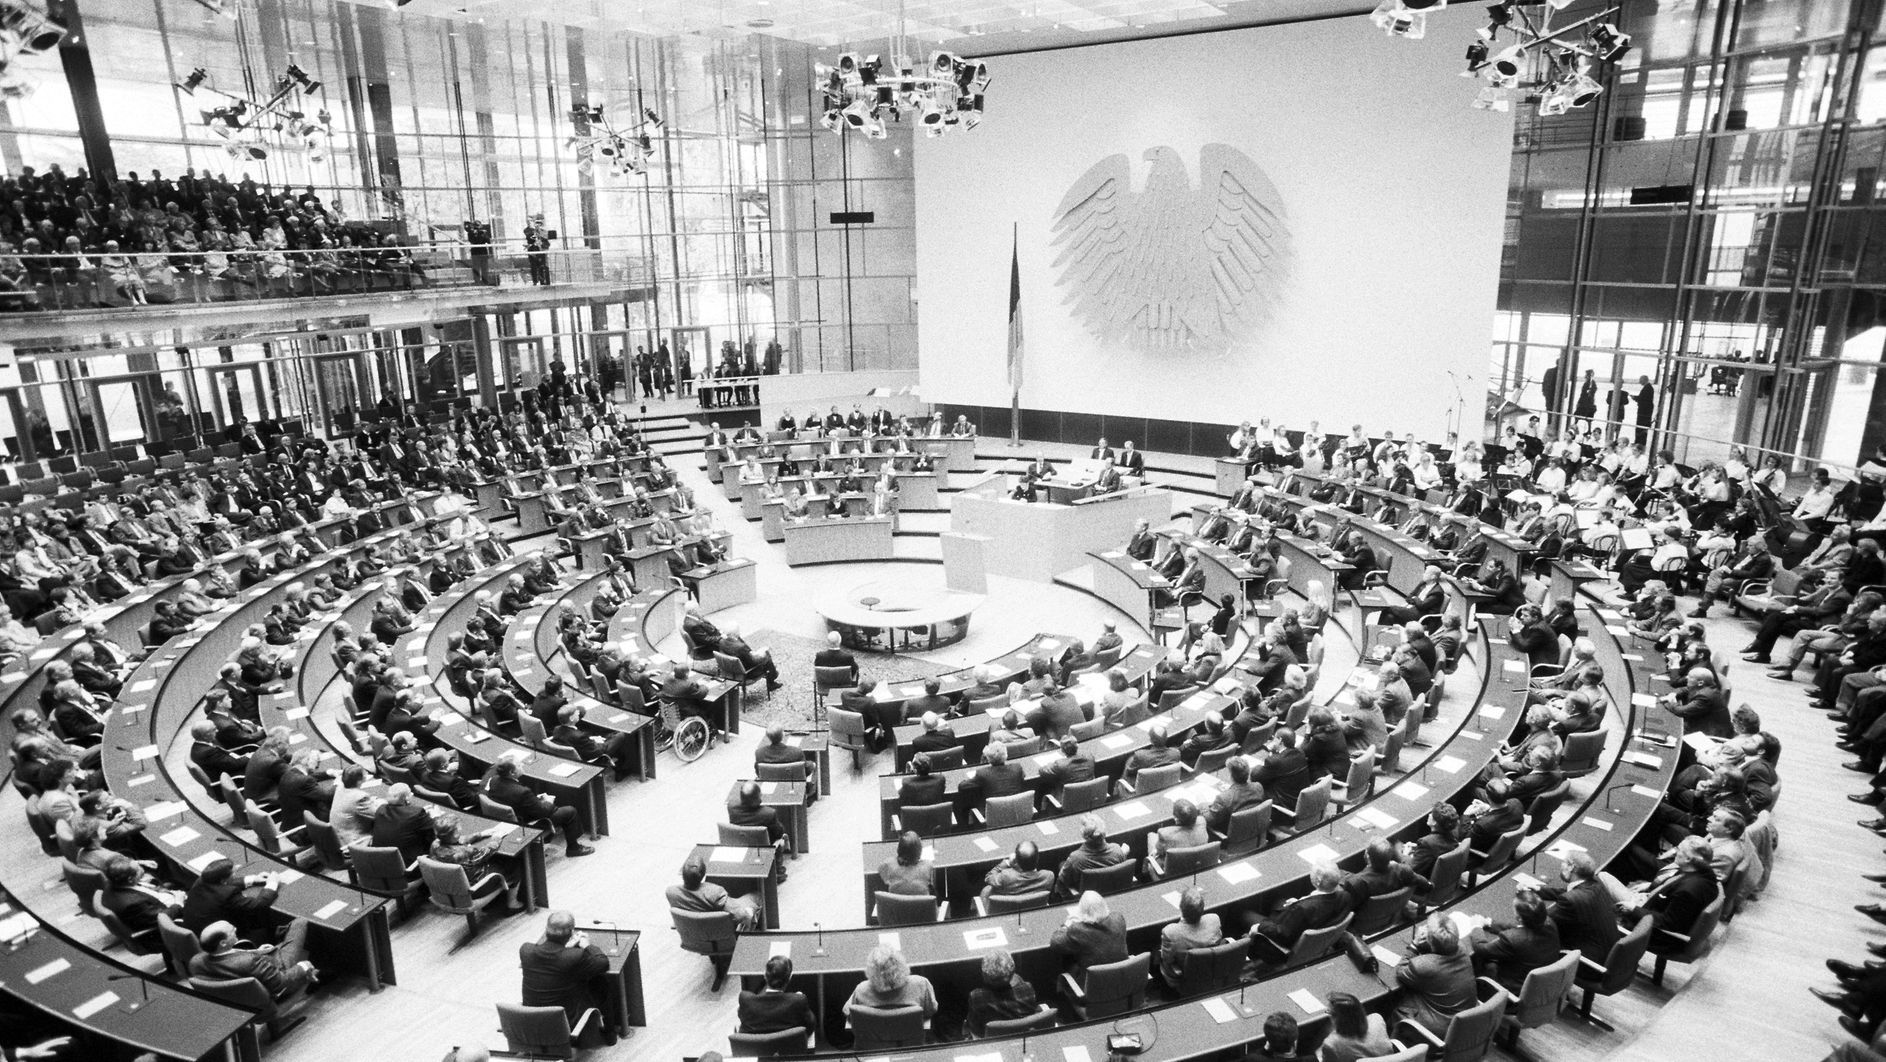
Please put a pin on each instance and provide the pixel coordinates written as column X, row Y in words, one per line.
column 751, row 811
column 696, row 893
column 1196, row 928
column 754, row 662
column 1156, row 753
column 502, row 785
column 775, row 750
column 612, row 751
column 775, row 1007
column 1019, row 874
column 1436, row 978
column 1095, row 853
column 561, row 970
column 1273, row 938
column 283, row 969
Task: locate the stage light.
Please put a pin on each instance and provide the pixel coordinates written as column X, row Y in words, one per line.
column 195, row 80
column 28, row 28
column 1582, row 89
column 939, row 92
column 1499, row 15
column 857, row 114
column 832, row 121
column 1608, row 42
column 874, row 127
column 1509, row 61
column 1397, row 19
column 1476, row 56
column 930, row 116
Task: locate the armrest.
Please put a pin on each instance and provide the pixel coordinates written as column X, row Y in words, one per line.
column 583, row 1023
column 976, row 813
column 1052, row 798
column 1585, row 965
column 1413, row 1032
column 1156, row 864
column 982, row 905
column 1071, row 988
column 1488, row 988
column 1673, row 934
column 1125, row 784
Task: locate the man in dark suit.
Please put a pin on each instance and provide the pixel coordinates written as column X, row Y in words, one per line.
column 1485, row 821
column 1508, row 951
column 502, row 785
column 1240, row 793
column 561, row 970
column 1132, row 462
column 612, row 751
column 935, row 736
column 754, row 662
column 1285, row 770
column 835, row 655
column 441, row 776
column 997, row 777
column 401, row 823
column 775, row 1008
column 775, row 750
column 212, row 757
column 1095, row 853
column 1701, row 705
column 304, row 788
column 750, row 811
column 1382, row 874
column 1141, row 546
column 923, row 788
column 1427, row 598
column 1272, row 938
column 219, row 896
column 283, row 969
column 1073, row 766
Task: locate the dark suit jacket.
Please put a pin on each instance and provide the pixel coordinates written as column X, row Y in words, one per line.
column 242, row 907
column 920, row 792
column 1084, row 944
column 1586, row 918
column 1314, row 911
column 1677, row 904
column 557, row 976
column 764, row 1012
column 406, row 827
column 1284, row 774
column 1518, row 951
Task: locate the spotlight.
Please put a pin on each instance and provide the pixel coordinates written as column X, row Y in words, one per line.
column 31, row 30
column 848, row 68
column 868, row 70
column 1397, row 19
column 190, row 84
column 1508, row 62
column 874, row 127
column 832, row 120
column 301, row 78
column 943, row 65
column 1582, row 89
column 650, row 120
column 1609, row 42
column 1559, row 5
column 1476, row 55
column 857, row 114
column 1499, row 15
column 930, row 116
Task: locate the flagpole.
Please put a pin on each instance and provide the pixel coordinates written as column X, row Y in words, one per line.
column 1015, row 384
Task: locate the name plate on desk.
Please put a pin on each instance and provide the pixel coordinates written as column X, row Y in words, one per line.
column 985, row 938
column 1048, row 828
column 144, row 752
column 1308, row 1001
column 1380, row 818
column 51, row 969
column 330, row 909
column 1317, row 853
column 1220, row 1011
column 1117, row 741
column 983, row 844
column 94, row 1005
column 1643, row 759
column 1132, row 810
column 1236, row 873
column 1410, row 790
column 564, row 770
column 180, row 835
column 1450, row 764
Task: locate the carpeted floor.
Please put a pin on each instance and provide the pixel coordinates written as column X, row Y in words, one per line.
column 791, row 704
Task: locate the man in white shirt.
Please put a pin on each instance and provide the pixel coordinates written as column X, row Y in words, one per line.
column 1814, row 506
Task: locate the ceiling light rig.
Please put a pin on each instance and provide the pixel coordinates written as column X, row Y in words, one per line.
column 1520, row 55
column 627, row 150
column 243, row 123
column 25, row 31
column 861, row 93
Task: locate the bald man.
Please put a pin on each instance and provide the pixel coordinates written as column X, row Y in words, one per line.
column 562, row 970
column 775, row 750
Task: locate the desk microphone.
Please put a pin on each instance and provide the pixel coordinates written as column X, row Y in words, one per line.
column 615, row 936
column 818, row 948
column 144, row 990
column 1613, row 789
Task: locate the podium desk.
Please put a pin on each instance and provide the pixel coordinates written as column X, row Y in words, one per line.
column 828, row 540
column 623, row 1005
column 744, row 872
column 1127, row 584
column 1230, row 473
column 730, row 583
column 591, row 549
column 1067, row 492
column 787, row 798
column 533, row 516
column 918, row 490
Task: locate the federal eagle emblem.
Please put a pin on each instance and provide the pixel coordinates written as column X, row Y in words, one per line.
column 1172, row 268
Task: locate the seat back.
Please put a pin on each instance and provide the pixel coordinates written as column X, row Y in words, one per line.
column 1040, row 1019
column 326, row 843
column 1620, row 967
column 1470, row 1032
column 1316, row 943
column 1312, row 805
column 1380, row 912
column 1447, row 874
column 244, row 992
column 85, row 884
column 1110, row 879
column 1023, row 901
column 704, row 932
column 1539, row 813
column 1192, row 859
column 944, row 759
column 899, row 909
column 379, row 869
column 1011, row 810
column 1131, row 715
column 827, row 679
column 179, row 943
column 928, row 819
column 847, row 729
column 1543, row 991
column 1117, row 987
column 1701, row 934
column 744, row 836
column 1417, row 1053
column 446, row 885
column 1248, row 829
column 1085, row 796
column 1581, row 753
column 1171, row 698
column 765, row 1045
column 536, row 1030
column 1214, row 761
column 491, row 809
column 1361, row 771
column 1213, row 969
column 1503, row 849
column 731, row 669
column 1153, row 779
column 877, row 1029
column 981, row 705
column 779, row 772
column 533, row 730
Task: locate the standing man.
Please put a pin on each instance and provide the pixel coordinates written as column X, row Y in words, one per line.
column 537, row 250
column 561, row 971
column 1646, row 399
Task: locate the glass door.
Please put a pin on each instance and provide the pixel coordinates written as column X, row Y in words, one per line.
column 126, row 409
column 236, row 394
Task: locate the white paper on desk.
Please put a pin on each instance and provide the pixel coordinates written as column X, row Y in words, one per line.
column 1450, row 764
column 1219, row 1010
column 1308, row 1001
column 1076, row 1054
column 1562, row 849
column 992, row 937
column 330, row 909
column 1171, row 897
column 1632, row 657
column 1611, row 614
column 295, row 713
column 1117, row 741
column 1642, row 759
column 726, row 854
column 1042, row 759
column 779, row 949
column 167, row 809
column 143, row 686
column 983, row 844
column 1596, row 824
column 143, row 779
column 1132, row 809
column 1513, row 667
column 891, row 941
column 1621, row 632
column 620, row 716
column 143, row 752
column 94, row 1005
column 1408, row 790
column 1236, row 873
column 988, row 1056
column 768, row 788
column 1646, row 791
column 204, row 860
column 51, row 969
column 1381, row 819
column 180, row 835
column 289, row 877
column 1048, row 829
column 929, row 852
column 1388, row 959
column 1643, row 700
column 564, row 770
column 1318, row 853
column 1528, row 882
column 296, row 739
column 1492, row 711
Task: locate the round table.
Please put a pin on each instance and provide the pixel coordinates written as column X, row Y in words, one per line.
column 891, row 616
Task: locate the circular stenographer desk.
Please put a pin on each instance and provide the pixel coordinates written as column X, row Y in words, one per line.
column 891, row 616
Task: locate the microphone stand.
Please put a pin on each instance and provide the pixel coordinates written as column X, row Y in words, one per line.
column 144, row 990
column 818, row 948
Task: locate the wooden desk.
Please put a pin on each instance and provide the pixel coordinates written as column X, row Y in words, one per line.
column 730, row 583
column 1127, row 585
column 623, row 1005
column 787, row 798
column 835, row 540
column 1229, row 474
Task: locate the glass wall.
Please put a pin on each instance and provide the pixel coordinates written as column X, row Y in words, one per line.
column 435, row 123
column 1702, row 236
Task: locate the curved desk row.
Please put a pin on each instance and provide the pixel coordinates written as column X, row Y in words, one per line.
column 953, row 453
column 831, row 540
column 577, row 784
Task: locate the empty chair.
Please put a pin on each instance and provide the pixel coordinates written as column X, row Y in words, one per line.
column 1214, row 761
column 1083, row 796
column 1356, row 785
column 85, row 884
column 1444, row 883
column 1011, row 810
column 382, row 870
column 826, row 680
column 879, row 1029
column 1248, row 829
column 1312, row 806
column 847, row 732
column 1498, row 854
column 743, row 836
column 180, row 945
column 451, row 890
column 542, row 1031
column 709, row 933
column 1108, row 989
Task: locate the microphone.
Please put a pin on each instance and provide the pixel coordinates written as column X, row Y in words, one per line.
column 144, row 990
column 615, row 936
column 818, row 948
column 1613, row 789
